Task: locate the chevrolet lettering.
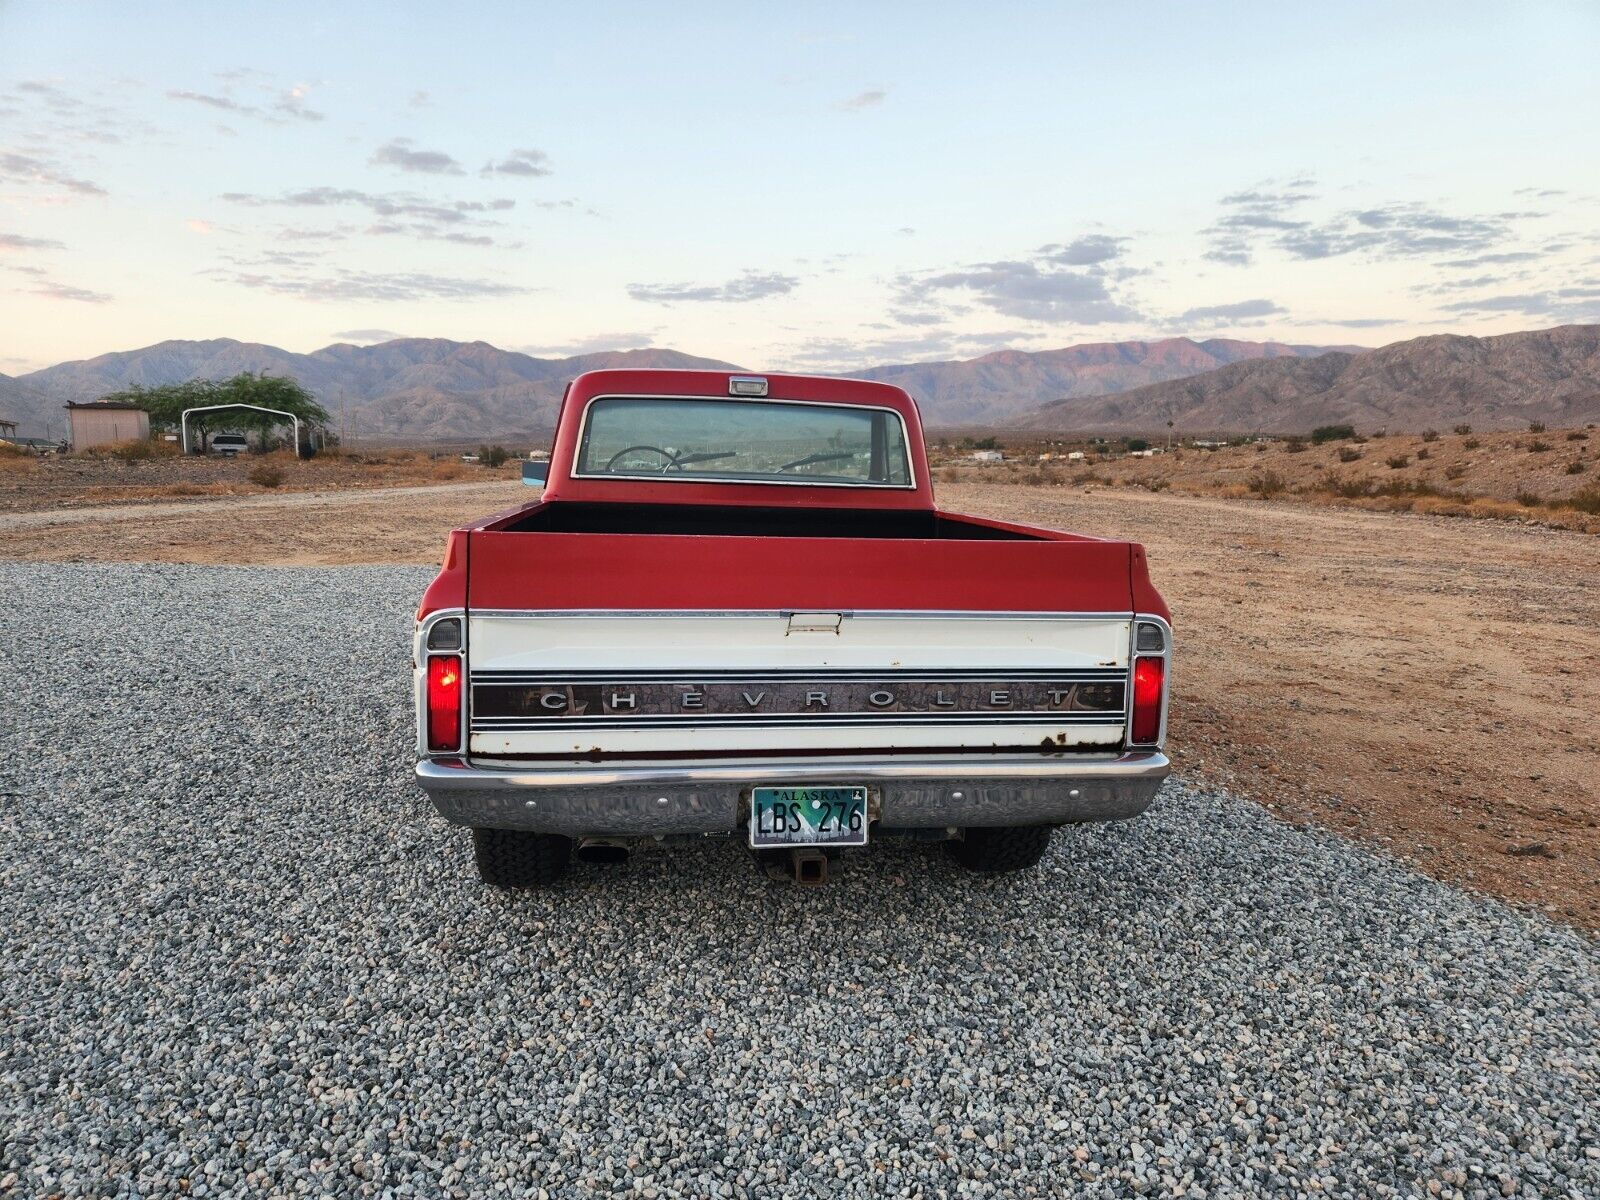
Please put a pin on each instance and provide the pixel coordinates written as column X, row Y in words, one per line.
column 737, row 610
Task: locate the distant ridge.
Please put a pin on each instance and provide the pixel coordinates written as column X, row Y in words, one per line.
column 997, row 387
column 1500, row 382
column 433, row 388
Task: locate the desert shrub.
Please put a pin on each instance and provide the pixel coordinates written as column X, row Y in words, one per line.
column 1350, row 489
column 1575, row 468
column 1348, row 454
column 1455, row 471
column 1471, row 444
column 1535, row 426
column 1266, row 484
column 1396, row 461
column 1332, row 433
column 1463, row 429
column 1158, row 485
column 1586, row 501
column 137, row 450
column 1430, row 435
column 1576, row 436
column 493, row 456
column 1295, row 445
column 1423, row 453
column 1261, row 447
column 1136, row 443
column 1529, row 499
column 266, row 475
column 1538, row 447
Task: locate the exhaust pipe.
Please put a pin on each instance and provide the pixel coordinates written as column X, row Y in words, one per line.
column 600, row 851
column 810, row 867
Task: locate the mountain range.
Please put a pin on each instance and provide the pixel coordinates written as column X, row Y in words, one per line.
column 426, row 389
column 1500, row 382
column 431, row 388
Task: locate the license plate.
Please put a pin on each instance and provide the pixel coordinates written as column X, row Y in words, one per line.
column 815, row 816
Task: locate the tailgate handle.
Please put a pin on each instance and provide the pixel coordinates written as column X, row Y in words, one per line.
column 813, row 623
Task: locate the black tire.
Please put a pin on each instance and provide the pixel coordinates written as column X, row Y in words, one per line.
column 1001, row 848
column 516, row 858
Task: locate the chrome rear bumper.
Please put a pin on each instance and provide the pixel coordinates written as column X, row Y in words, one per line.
column 667, row 798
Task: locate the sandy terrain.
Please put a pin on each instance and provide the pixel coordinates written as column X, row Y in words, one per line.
column 1548, row 478
column 1422, row 683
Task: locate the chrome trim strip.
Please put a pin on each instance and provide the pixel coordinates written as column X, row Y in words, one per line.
column 710, row 721
column 1166, row 674
column 865, row 614
column 419, row 678
column 588, row 407
column 507, row 677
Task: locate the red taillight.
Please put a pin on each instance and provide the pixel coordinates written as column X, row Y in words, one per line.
column 1148, row 676
column 444, row 702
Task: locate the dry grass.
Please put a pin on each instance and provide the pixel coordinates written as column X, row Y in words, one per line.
column 1501, row 475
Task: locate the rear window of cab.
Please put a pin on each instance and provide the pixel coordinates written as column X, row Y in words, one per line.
column 732, row 440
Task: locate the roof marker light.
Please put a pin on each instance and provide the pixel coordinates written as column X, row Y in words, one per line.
column 746, row 385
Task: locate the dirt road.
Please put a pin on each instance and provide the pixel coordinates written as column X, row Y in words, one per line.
column 1425, row 684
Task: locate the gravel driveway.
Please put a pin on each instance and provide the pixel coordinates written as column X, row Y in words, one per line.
column 242, row 956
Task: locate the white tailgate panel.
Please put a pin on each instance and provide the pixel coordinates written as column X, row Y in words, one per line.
column 630, row 645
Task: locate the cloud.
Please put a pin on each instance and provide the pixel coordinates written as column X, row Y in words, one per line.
column 1242, row 310
column 529, row 164
column 224, row 103
column 420, row 99
column 292, row 103
column 751, row 285
column 595, row 343
column 399, row 213
column 364, row 285
column 196, row 225
column 285, row 105
column 399, row 153
column 12, row 242
column 1358, row 322
column 861, row 101
column 1026, row 290
column 1574, row 303
column 1084, row 251
column 1274, row 217
column 386, row 204
column 367, row 337
column 843, row 355
column 23, row 168
column 62, row 291
column 1485, row 260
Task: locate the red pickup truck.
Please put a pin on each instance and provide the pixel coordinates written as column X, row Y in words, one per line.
column 736, row 610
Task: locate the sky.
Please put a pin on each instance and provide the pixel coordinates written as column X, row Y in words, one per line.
column 789, row 187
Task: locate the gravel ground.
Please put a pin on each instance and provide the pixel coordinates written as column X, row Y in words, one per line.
column 243, row 957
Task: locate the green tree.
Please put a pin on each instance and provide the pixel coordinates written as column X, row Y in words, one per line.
column 1332, row 433
column 167, row 403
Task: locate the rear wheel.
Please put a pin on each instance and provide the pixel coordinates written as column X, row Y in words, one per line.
column 516, row 858
column 1001, row 848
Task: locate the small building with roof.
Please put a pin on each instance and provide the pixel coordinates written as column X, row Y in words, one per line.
column 104, row 422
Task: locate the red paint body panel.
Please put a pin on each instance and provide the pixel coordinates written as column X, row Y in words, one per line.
column 1050, row 571
column 665, row 571
column 449, row 586
column 561, row 486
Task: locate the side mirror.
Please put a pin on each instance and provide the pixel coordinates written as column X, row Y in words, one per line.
column 535, row 474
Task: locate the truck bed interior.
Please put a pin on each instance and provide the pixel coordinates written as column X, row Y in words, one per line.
column 743, row 521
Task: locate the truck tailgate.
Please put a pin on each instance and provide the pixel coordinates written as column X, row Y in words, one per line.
column 614, row 645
